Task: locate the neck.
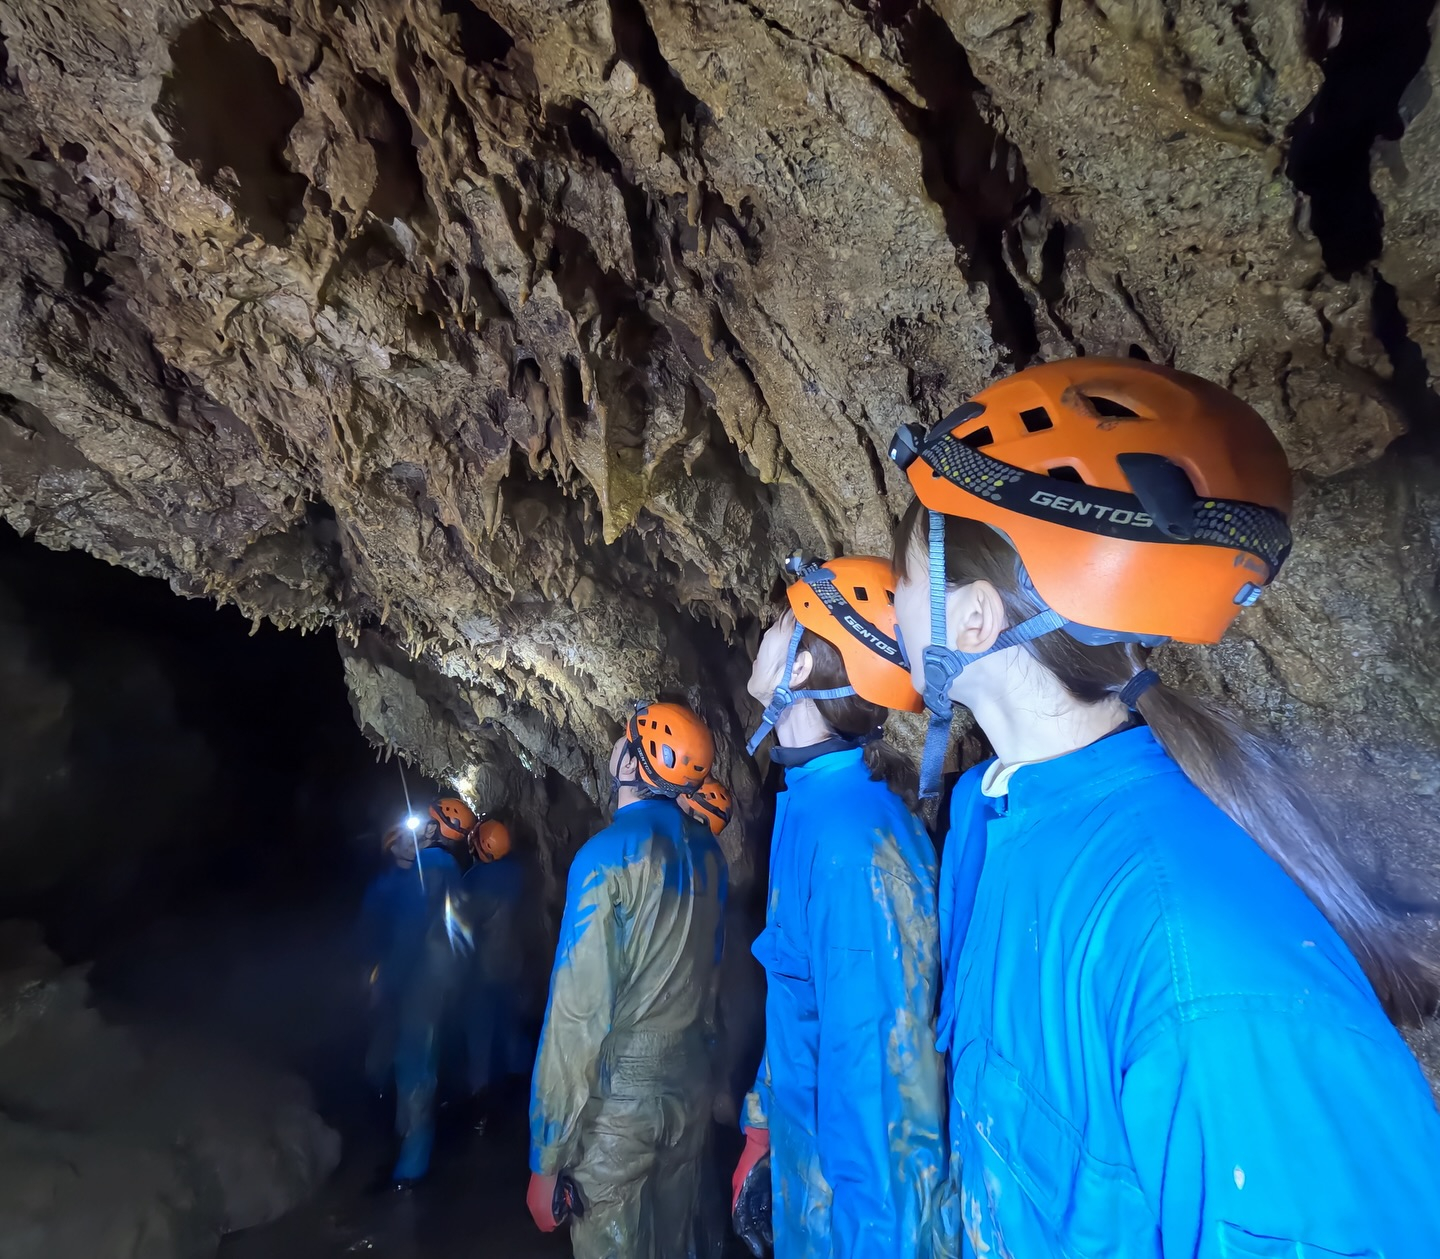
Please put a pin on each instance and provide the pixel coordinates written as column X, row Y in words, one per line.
column 1029, row 716
column 628, row 795
column 802, row 726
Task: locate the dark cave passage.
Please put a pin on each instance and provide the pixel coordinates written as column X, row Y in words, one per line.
column 189, row 818
column 190, row 813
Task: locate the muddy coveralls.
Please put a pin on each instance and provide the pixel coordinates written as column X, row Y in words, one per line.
column 391, row 894
column 1158, row 1046
column 421, row 972
column 851, row 1083
column 623, row 1085
column 493, row 1037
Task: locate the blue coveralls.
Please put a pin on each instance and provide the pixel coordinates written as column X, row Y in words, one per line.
column 1158, row 1045
column 390, row 895
column 418, row 974
column 493, row 1037
column 850, row 1087
column 624, row 1081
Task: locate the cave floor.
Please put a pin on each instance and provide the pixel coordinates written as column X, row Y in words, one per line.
column 473, row 1203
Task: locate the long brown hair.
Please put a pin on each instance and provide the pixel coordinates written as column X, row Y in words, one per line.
column 1244, row 774
column 856, row 718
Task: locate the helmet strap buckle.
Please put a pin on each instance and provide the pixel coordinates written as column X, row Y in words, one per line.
column 942, row 667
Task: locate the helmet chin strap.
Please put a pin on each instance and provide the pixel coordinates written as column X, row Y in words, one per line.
column 784, row 696
column 943, row 664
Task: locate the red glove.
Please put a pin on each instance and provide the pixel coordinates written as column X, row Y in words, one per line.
column 541, row 1201
column 757, row 1146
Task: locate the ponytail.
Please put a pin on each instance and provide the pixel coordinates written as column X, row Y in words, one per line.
column 1244, row 775
column 1254, row 784
column 895, row 771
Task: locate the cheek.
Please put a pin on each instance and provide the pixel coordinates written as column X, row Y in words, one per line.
column 912, row 614
column 765, row 672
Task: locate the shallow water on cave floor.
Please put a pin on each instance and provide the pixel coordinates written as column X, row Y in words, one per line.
column 473, row 1202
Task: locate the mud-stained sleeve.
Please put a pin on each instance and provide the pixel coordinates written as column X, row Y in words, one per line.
column 878, row 1097
column 757, row 1100
column 578, row 1016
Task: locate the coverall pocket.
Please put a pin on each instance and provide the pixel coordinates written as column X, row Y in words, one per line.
column 1029, row 1179
column 782, row 958
column 1236, row 1243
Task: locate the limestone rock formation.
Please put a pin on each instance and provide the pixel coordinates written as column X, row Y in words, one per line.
column 521, row 340
column 116, row 1142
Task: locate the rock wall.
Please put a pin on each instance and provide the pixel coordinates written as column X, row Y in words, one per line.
column 115, row 1142
column 522, row 340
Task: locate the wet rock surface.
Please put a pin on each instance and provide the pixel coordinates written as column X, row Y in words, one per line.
column 520, row 341
column 116, row 1141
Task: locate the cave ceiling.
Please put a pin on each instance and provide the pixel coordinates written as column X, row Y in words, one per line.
column 520, row 342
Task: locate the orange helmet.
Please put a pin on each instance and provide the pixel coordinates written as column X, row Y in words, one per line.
column 850, row 603
column 399, row 844
column 455, row 817
column 490, row 840
column 1145, row 503
column 710, row 804
column 673, row 748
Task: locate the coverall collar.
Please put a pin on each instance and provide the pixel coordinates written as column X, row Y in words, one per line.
column 639, row 805
column 790, row 758
column 1088, row 773
column 828, row 763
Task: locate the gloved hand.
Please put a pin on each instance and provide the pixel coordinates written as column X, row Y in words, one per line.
column 567, row 1204
column 541, row 1200
column 750, row 1210
column 757, row 1146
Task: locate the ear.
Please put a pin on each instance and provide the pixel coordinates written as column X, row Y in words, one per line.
column 800, row 674
column 622, row 760
column 974, row 617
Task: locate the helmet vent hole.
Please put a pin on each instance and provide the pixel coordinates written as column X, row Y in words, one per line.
column 1036, row 420
column 862, row 594
column 1110, row 409
column 652, row 747
column 668, row 756
column 1065, row 473
column 667, row 729
column 978, row 437
column 890, row 597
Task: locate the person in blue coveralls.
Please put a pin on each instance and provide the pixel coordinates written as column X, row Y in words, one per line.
column 417, row 970
column 383, row 903
column 1165, row 994
column 494, row 1041
column 624, row 1082
column 848, row 1103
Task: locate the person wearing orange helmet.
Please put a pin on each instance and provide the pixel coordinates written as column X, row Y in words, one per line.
column 1165, row 995
column 622, row 1093
column 843, row 1127
column 710, row 804
column 494, row 886
column 386, row 899
column 418, row 971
